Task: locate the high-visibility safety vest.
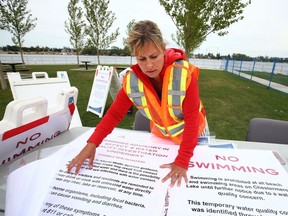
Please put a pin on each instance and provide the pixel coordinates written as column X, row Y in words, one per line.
column 167, row 118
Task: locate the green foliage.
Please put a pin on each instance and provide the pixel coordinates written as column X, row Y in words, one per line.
column 196, row 19
column 16, row 19
column 126, row 45
column 240, row 56
column 100, row 20
column 75, row 27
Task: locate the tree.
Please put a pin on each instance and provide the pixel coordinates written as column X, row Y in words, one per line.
column 196, row 19
column 16, row 19
column 100, row 20
column 75, row 26
column 126, row 46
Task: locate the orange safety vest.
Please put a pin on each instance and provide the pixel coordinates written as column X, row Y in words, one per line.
column 166, row 119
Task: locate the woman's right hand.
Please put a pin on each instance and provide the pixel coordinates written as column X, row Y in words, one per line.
column 88, row 152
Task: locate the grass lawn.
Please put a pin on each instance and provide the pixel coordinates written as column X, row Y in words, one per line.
column 230, row 101
column 277, row 78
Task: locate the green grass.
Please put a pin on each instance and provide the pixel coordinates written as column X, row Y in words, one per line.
column 230, row 101
column 277, row 78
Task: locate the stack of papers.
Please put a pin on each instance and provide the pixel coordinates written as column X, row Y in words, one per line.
column 126, row 180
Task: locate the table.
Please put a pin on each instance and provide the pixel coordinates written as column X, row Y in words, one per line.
column 55, row 144
column 13, row 65
column 86, row 64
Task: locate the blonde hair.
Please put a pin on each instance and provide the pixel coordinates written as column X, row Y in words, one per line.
column 144, row 32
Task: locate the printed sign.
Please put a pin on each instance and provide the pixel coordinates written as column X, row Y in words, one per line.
column 21, row 132
column 126, row 180
column 100, row 89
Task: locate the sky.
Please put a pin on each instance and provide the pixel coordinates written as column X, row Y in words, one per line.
column 262, row 32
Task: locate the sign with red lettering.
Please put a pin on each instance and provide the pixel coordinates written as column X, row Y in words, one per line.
column 28, row 124
column 126, row 180
column 18, row 141
column 232, row 182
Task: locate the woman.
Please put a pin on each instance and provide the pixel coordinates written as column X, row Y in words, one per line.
column 170, row 95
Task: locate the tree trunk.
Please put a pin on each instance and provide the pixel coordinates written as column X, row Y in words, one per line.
column 77, row 53
column 98, row 57
column 22, row 56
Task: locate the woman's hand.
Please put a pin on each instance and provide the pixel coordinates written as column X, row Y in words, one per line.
column 88, row 152
column 176, row 174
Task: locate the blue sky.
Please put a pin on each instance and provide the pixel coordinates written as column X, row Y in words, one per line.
column 262, row 32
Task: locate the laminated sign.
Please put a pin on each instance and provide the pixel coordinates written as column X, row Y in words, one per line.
column 29, row 123
column 100, row 89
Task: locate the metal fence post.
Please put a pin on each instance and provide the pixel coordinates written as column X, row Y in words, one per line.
column 272, row 73
column 240, row 67
column 253, row 67
column 226, row 64
column 233, row 66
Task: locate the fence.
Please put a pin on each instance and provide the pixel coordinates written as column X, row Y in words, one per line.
column 72, row 59
column 239, row 66
column 267, row 73
column 64, row 59
column 271, row 74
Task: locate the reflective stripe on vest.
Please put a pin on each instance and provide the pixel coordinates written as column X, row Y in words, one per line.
column 177, row 89
column 173, row 130
column 135, row 91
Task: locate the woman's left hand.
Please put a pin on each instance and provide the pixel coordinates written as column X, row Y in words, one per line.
column 176, row 174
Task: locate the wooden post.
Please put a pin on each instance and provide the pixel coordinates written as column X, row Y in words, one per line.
column 2, row 79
